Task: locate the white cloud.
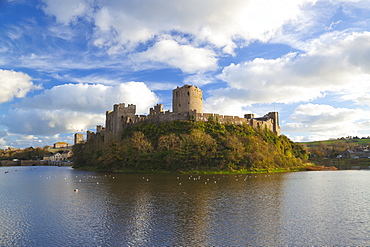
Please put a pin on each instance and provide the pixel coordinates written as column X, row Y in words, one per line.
column 70, row 107
column 67, row 11
column 316, row 114
column 49, row 122
column 199, row 79
column 116, row 38
column 184, row 57
column 339, row 67
column 161, row 85
column 324, row 122
column 89, row 79
column 3, row 143
column 24, row 140
column 204, row 31
column 14, row 84
column 125, row 24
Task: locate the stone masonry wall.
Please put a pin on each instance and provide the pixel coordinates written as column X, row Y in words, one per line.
column 187, row 98
column 187, row 105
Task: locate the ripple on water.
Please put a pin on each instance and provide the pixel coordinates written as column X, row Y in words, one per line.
column 40, row 208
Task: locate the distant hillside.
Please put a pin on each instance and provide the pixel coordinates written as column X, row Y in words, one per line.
column 183, row 146
column 332, row 148
column 357, row 141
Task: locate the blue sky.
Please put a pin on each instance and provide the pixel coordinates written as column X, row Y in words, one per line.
column 64, row 63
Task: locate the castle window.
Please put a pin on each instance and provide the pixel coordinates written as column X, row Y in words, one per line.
column 188, row 93
column 179, row 105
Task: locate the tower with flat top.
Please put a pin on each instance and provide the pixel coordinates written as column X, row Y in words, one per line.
column 187, row 98
column 79, row 138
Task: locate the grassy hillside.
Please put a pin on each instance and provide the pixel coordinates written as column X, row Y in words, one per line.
column 349, row 142
column 332, row 148
column 183, row 146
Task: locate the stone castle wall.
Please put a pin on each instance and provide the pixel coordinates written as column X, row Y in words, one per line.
column 223, row 119
column 265, row 122
column 187, row 98
column 119, row 115
column 187, row 105
column 79, row 138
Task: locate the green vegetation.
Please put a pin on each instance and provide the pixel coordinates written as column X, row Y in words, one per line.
column 187, row 146
column 349, row 140
column 25, row 154
column 343, row 163
column 326, row 153
column 333, row 148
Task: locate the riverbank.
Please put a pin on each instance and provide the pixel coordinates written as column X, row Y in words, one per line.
column 34, row 163
column 321, row 168
column 343, row 163
column 304, row 167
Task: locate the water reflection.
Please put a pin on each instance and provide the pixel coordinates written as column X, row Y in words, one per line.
column 310, row 208
column 325, row 208
column 198, row 210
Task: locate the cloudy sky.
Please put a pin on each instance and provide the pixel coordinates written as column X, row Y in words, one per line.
column 64, row 63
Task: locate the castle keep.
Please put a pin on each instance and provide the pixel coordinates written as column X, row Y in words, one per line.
column 186, row 99
column 187, row 104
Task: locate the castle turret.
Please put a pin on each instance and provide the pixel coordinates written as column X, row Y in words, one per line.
column 120, row 115
column 157, row 109
column 187, row 98
column 249, row 116
column 275, row 121
column 79, row 137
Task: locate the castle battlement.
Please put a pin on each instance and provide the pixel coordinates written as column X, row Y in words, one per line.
column 187, row 104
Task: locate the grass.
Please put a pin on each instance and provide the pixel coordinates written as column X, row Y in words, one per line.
column 343, row 163
column 241, row 171
column 335, row 142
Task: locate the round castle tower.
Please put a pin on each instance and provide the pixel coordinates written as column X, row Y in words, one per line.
column 187, row 98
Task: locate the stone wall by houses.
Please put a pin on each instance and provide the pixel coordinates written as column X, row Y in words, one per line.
column 62, row 145
column 10, row 163
column 20, row 162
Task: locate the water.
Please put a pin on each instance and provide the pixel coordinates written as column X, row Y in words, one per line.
column 39, row 207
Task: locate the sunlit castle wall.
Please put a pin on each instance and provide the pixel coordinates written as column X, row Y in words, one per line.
column 79, row 138
column 119, row 115
column 274, row 118
column 187, row 104
column 187, row 98
column 269, row 121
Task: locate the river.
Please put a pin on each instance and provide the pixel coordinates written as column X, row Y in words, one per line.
column 60, row 206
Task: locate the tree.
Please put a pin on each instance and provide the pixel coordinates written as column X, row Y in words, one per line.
column 112, row 156
column 188, row 145
column 139, row 143
column 169, row 142
column 201, row 147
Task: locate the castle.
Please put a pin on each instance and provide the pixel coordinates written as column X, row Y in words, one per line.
column 187, row 104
